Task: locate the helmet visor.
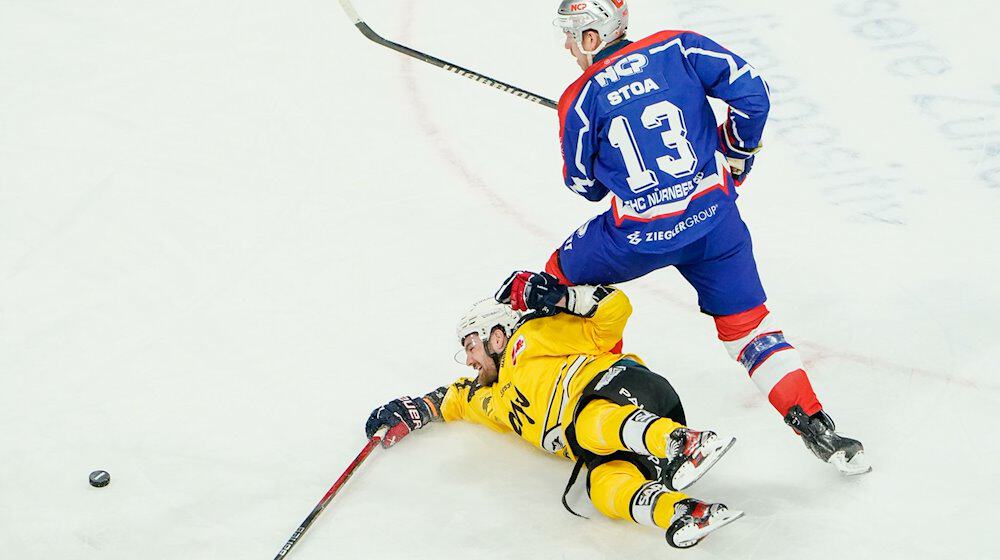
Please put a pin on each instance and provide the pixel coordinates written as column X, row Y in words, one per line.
column 574, row 24
column 468, row 342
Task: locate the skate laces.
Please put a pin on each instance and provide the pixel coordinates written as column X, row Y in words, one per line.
column 682, row 509
column 696, row 511
column 810, row 426
column 677, row 443
column 695, row 441
column 685, row 442
column 824, row 419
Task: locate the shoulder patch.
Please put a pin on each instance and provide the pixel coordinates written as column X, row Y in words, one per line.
column 519, row 346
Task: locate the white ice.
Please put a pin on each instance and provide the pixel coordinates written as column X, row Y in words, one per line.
column 228, row 230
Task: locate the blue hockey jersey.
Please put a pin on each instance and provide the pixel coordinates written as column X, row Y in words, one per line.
column 638, row 124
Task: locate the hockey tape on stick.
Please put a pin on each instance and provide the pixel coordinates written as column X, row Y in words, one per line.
column 368, row 32
column 350, row 11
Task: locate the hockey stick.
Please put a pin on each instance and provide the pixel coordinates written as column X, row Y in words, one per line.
column 453, row 68
column 376, row 439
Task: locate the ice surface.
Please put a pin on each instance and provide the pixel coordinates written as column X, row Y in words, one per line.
column 228, row 230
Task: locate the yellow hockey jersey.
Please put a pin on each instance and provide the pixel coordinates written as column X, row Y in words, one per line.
column 543, row 371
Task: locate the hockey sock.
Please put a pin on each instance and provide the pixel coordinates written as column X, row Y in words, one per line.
column 605, row 427
column 619, row 490
column 774, row 365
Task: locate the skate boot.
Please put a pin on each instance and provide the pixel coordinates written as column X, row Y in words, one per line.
column 690, row 454
column 694, row 519
column 817, row 431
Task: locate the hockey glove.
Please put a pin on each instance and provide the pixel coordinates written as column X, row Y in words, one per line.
column 403, row 415
column 740, row 159
column 537, row 291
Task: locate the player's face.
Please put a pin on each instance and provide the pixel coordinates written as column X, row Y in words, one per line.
column 477, row 359
column 582, row 60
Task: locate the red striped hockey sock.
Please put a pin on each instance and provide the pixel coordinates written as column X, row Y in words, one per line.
column 774, row 365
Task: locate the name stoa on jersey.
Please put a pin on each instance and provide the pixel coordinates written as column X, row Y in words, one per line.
column 628, row 66
column 638, row 125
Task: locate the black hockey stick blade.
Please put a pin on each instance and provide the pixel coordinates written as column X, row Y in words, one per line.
column 443, row 64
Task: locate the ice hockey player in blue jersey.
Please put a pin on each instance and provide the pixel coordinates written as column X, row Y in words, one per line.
column 638, row 125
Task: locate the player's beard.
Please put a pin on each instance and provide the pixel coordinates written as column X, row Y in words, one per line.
column 485, row 379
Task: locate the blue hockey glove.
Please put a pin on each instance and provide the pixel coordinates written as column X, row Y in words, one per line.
column 536, row 291
column 740, row 159
column 403, row 415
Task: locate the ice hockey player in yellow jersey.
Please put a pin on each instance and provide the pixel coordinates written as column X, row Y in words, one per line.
column 550, row 369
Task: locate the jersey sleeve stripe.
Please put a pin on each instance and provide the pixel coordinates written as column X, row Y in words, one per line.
column 583, row 131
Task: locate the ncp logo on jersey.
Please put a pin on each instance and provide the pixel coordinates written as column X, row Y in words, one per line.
column 627, row 66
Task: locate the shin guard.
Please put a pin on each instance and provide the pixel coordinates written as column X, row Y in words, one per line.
column 604, row 427
column 753, row 339
column 619, row 491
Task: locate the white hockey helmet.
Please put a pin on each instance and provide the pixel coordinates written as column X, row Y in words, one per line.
column 486, row 315
column 609, row 18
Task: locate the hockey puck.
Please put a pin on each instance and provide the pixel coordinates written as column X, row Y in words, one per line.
column 100, row 479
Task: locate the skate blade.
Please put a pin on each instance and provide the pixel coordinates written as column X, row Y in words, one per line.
column 688, row 474
column 857, row 465
column 693, row 535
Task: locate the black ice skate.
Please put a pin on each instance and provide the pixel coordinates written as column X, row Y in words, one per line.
column 693, row 520
column 817, row 431
column 690, row 454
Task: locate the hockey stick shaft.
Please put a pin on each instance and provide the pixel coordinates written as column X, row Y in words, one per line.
column 443, row 64
column 329, row 495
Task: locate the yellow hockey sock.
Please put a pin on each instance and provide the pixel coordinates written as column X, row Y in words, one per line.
column 619, row 490
column 604, row 427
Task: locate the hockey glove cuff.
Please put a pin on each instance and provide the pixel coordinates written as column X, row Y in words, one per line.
column 583, row 300
column 740, row 159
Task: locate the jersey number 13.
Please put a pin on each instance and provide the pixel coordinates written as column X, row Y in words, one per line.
column 655, row 116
